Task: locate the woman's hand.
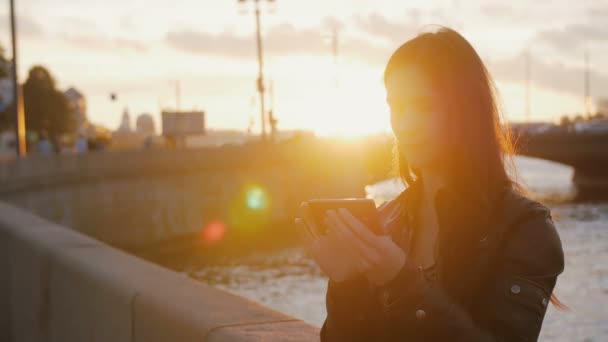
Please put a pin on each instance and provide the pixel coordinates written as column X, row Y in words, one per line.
column 326, row 250
column 378, row 257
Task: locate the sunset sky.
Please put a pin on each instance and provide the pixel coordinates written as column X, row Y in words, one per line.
column 138, row 48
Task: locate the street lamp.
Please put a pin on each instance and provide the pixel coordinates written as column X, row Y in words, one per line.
column 177, row 94
column 260, row 82
column 17, row 92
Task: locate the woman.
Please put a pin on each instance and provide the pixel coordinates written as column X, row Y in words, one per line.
column 467, row 257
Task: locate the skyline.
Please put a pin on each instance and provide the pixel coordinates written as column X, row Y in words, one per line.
column 105, row 48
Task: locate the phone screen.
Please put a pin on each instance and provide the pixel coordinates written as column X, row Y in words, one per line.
column 363, row 209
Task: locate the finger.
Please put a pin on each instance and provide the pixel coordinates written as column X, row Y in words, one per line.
column 301, row 209
column 359, row 228
column 363, row 250
column 309, row 241
column 337, row 240
column 304, row 231
column 308, row 220
column 364, row 255
column 340, row 243
column 362, row 265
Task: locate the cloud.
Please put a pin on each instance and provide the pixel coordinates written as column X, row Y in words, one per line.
column 394, row 32
column 87, row 35
column 225, row 44
column 362, row 50
column 574, row 36
column 96, row 42
column 126, row 22
column 283, row 40
column 77, row 24
column 286, row 39
column 598, row 12
column 26, row 26
column 414, row 22
column 498, row 10
column 513, row 14
column 555, row 76
column 331, row 22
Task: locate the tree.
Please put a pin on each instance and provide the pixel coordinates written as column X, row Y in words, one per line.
column 46, row 108
column 4, row 109
column 4, row 64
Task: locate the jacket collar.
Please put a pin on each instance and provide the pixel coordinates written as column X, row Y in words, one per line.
column 456, row 206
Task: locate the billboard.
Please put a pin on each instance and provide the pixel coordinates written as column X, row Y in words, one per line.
column 183, row 123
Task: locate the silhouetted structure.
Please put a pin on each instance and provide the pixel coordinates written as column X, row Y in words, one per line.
column 178, row 126
column 125, row 122
column 77, row 106
column 584, row 150
column 145, row 124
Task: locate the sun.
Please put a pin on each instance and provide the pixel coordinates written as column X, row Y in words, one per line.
column 357, row 108
column 347, row 100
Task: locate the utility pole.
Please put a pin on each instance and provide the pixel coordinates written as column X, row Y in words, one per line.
column 527, row 61
column 18, row 115
column 260, row 82
column 334, row 46
column 587, row 87
column 271, row 119
column 177, row 96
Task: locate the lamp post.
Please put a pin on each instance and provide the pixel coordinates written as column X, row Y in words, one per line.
column 260, row 82
column 17, row 93
column 176, row 83
column 587, row 87
column 528, row 61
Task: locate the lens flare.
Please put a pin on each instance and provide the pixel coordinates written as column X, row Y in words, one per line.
column 257, row 199
column 213, row 232
column 250, row 210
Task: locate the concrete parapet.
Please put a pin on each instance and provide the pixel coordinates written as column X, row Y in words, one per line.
column 60, row 285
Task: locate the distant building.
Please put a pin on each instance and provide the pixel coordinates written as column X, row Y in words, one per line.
column 78, row 108
column 124, row 138
column 6, row 86
column 602, row 105
column 178, row 127
column 125, row 122
column 592, row 126
column 145, row 124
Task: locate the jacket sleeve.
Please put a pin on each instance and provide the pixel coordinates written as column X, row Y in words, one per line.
column 511, row 307
column 352, row 311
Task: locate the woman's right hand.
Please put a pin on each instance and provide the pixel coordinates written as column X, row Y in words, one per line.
column 325, row 249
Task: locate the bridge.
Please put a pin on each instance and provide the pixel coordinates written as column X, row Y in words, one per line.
column 586, row 153
column 136, row 199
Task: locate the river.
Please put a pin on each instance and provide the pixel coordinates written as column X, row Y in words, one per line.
column 291, row 283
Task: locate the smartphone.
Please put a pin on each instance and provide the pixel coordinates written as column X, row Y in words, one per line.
column 363, row 209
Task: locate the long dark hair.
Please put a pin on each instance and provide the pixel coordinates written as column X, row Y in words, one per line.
column 480, row 144
column 481, row 147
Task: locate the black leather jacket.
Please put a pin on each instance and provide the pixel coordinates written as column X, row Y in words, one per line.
column 497, row 268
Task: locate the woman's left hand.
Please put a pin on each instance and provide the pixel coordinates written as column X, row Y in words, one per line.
column 378, row 257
